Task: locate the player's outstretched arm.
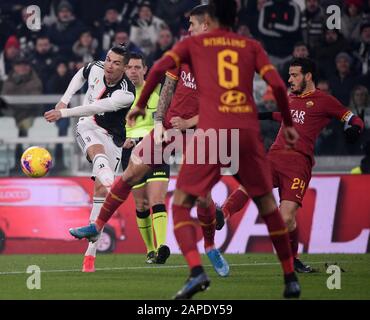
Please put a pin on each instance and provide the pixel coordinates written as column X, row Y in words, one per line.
column 119, row 99
column 353, row 128
column 353, row 125
column 165, row 98
column 75, row 84
column 164, row 102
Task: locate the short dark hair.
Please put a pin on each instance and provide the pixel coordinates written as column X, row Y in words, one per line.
column 122, row 51
column 224, row 11
column 138, row 56
column 307, row 65
column 145, row 4
column 42, row 36
column 122, row 28
column 300, row 44
column 200, row 10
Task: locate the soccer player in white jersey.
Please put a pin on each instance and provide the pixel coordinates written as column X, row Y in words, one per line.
column 101, row 128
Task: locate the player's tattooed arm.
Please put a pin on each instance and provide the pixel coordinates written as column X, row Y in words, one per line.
column 165, row 98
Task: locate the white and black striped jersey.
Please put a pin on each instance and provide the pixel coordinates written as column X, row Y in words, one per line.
column 114, row 122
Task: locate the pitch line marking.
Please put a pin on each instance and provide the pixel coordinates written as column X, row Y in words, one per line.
column 157, row 267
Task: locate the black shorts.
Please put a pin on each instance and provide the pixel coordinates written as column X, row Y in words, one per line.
column 159, row 173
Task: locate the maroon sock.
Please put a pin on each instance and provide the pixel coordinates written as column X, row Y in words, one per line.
column 207, row 219
column 186, row 235
column 234, row 203
column 280, row 239
column 293, row 237
column 117, row 195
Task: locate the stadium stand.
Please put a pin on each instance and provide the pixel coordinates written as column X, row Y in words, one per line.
column 102, row 23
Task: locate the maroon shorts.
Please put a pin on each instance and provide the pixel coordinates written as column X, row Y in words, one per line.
column 291, row 173
column 253, row 168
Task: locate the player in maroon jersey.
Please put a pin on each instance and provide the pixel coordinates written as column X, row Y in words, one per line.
column 182, row 114
column 178, row 109
column 311, row 111
column 224, row 64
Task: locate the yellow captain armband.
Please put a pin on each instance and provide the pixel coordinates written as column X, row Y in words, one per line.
column 171, row 76
column 265, row 69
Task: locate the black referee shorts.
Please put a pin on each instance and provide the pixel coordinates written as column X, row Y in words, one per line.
column 159, row 173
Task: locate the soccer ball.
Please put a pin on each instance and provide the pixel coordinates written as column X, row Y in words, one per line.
column 36, row 162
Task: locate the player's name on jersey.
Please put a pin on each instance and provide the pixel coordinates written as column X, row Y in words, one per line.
column 224, row 41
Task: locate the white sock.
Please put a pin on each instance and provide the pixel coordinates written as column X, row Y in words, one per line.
column 97, row 205
column 102, row 170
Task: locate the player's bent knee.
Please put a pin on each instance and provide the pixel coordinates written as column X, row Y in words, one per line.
column 157, row 198
column 288, row 216
column 157, row 191
column 288, row 211
column 141, row 205
column 265, row 203
column 130, row 177
column 155, row 201
column 134, row 173
column 183, row 199
column 94, row 150
column 203, row 202
column 289, row 221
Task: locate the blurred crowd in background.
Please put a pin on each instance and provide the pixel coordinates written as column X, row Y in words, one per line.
column 74, row 33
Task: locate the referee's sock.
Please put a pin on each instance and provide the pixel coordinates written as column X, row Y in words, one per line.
column 144, row 223
column 160, row 223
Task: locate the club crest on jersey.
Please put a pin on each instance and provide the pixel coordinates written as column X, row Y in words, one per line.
column 96, row 81
column 309, row 104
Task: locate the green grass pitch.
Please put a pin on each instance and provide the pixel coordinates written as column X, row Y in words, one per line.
column 126, row 276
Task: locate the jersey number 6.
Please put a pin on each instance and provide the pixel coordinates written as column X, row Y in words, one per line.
column 227, row 69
